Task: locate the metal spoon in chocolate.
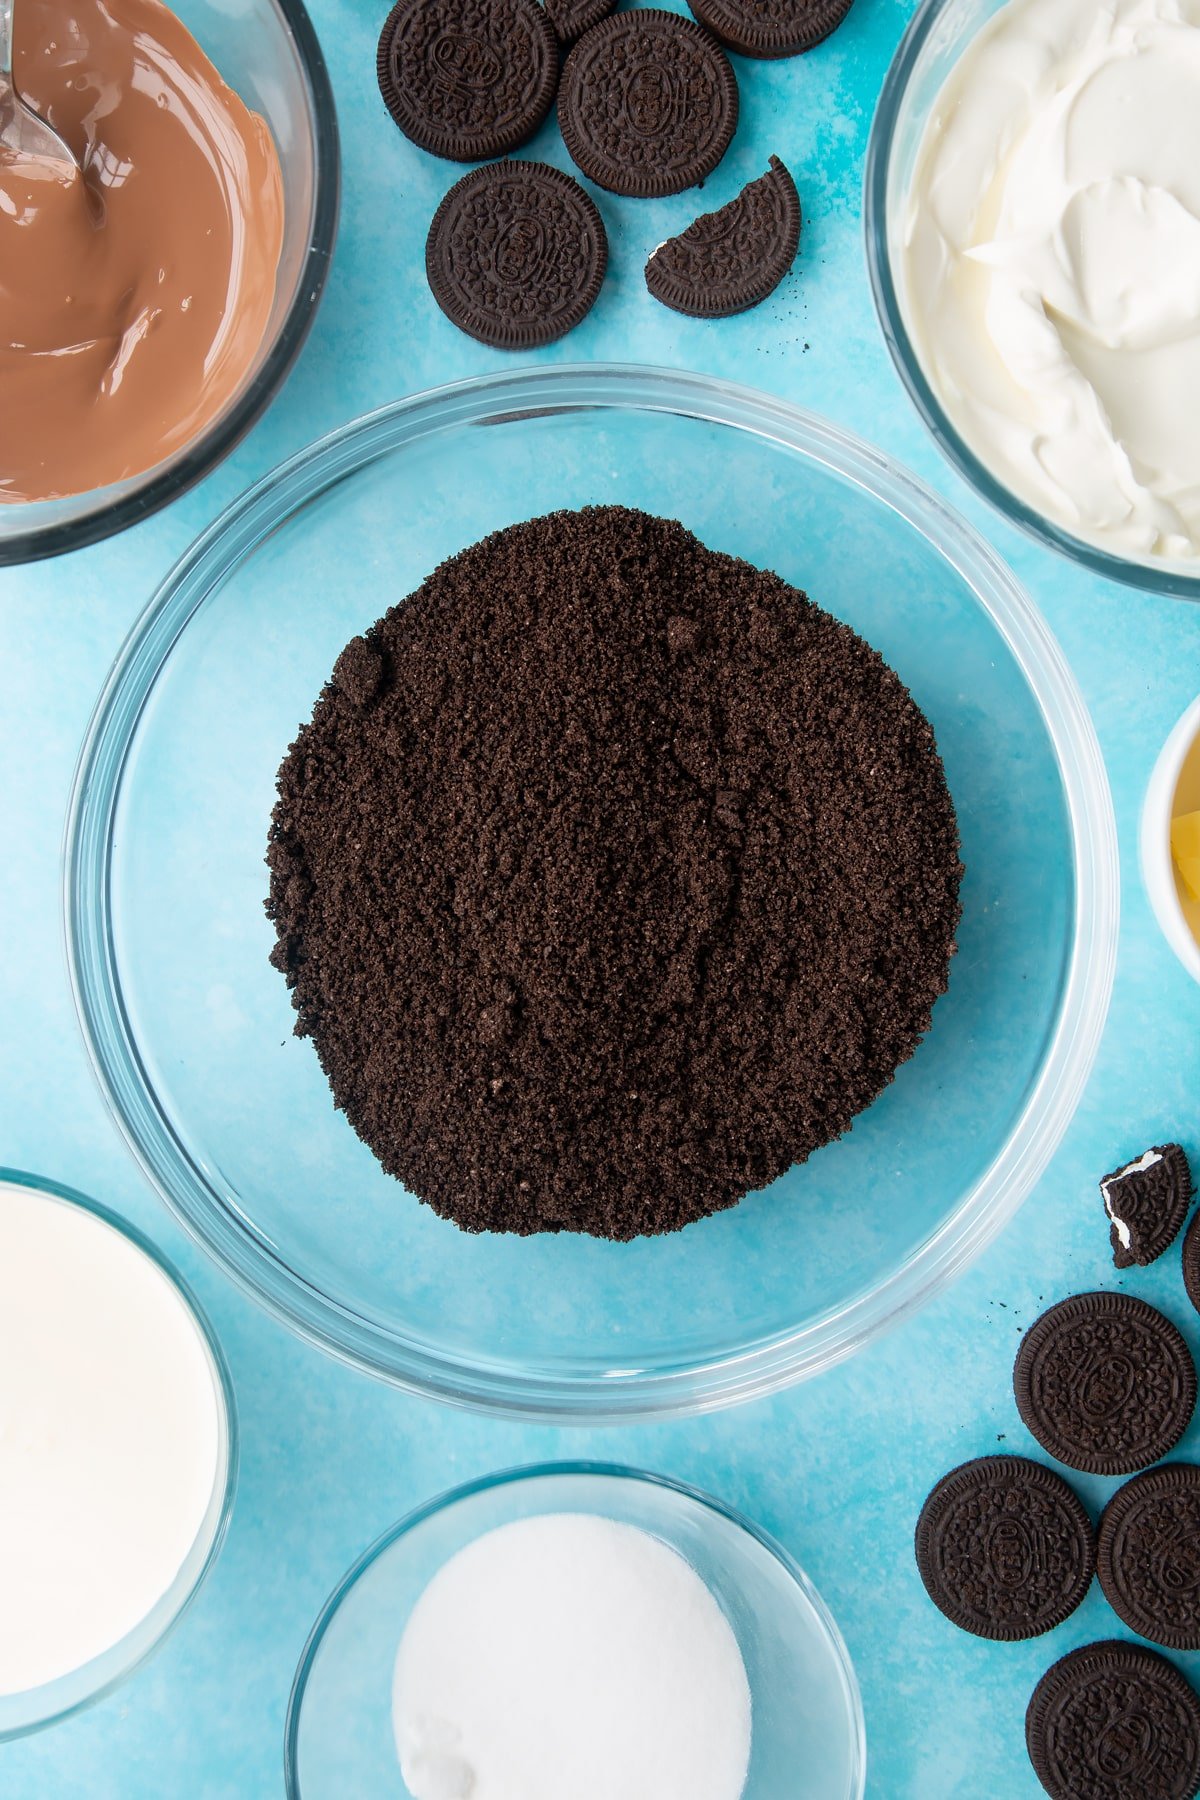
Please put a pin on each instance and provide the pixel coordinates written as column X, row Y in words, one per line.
column 24, row 136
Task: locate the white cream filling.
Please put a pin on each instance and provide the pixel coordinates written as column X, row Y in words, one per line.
column 1145, row 1161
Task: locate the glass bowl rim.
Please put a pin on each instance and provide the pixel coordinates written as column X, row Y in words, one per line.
column 227, row 1408
column 571, row 1470
column 557, row 1393
column 1167, row 578
column 198, row 459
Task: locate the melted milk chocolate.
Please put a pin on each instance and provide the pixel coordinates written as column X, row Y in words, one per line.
column 134, row 302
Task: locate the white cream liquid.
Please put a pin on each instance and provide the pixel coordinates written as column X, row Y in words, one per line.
column 110, row 1437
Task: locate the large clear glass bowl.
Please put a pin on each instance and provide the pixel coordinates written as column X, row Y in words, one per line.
column 190, row 1028
column 268, row 52
column 807, row 1733
column 54, row 1700
column 936, row 37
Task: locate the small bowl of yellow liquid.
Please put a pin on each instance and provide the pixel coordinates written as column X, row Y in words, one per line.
column 1171, row 840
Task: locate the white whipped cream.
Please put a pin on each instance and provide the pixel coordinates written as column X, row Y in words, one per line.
column 1051, row 263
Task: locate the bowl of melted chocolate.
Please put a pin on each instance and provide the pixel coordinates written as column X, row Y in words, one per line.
column 152, row 302
column 592, row 893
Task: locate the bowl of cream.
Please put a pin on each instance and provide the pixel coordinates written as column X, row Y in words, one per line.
column 119, row 1443
column 152, row 303
column 1032, row 215
column 581, row 1630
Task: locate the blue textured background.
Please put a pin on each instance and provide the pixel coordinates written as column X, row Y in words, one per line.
column 837, row 1469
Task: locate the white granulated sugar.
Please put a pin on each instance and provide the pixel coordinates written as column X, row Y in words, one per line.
column 570, row 1657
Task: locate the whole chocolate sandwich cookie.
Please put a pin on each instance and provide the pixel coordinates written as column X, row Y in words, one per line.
column 1147, row 1202
column 467, row 81
column 1149, row 1555
column 728, row 261
column 516, row 254
column 771, row 28
column 647, row 104
column 1005, row 1548
column 554, row 866
column 1115, row 1721
column 1191, row 1261
column 1105, row 1383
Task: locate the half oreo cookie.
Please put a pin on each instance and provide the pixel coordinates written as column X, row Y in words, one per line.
column 730, row 260
column 1147, row 1202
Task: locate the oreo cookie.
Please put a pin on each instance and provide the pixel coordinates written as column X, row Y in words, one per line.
column 1105, row 1383
column 1191, row 1261
column 771, row 28
column 1149, row 1555
column 647, row 103
column 728, row 261
column 516, row 254
column 468, row 82
column 1147, row 1202
column 1005, row 1548
column 571, row 18
column 1115, row 1721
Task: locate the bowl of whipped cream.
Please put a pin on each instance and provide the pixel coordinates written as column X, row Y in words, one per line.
column 155, row 292
column 1032, row 214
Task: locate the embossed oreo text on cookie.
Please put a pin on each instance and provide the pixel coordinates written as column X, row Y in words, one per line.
column 516, row 254
column 1005, row 1548
column 770, row 28
column 1105, row 1383
column 647, row 104
column 729, row 260
column 467, row 79
column 1115, row 1721
column 1149, row 1555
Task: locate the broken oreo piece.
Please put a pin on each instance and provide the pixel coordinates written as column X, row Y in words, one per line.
column 1105, row 1383
column 728, row 261
column 571, row 18
column 1147, row 1202
column 771, row 28
column 467, row 89
column 647, row 103
column 1005, row 1548
column 1149, row 1555
column 1112, row 1721
column 516, row 254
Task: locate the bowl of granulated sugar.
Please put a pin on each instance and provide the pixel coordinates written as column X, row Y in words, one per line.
column 575, row 1629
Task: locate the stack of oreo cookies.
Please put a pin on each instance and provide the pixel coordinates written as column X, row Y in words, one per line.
column 647, row 103
column 1006, row 1549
